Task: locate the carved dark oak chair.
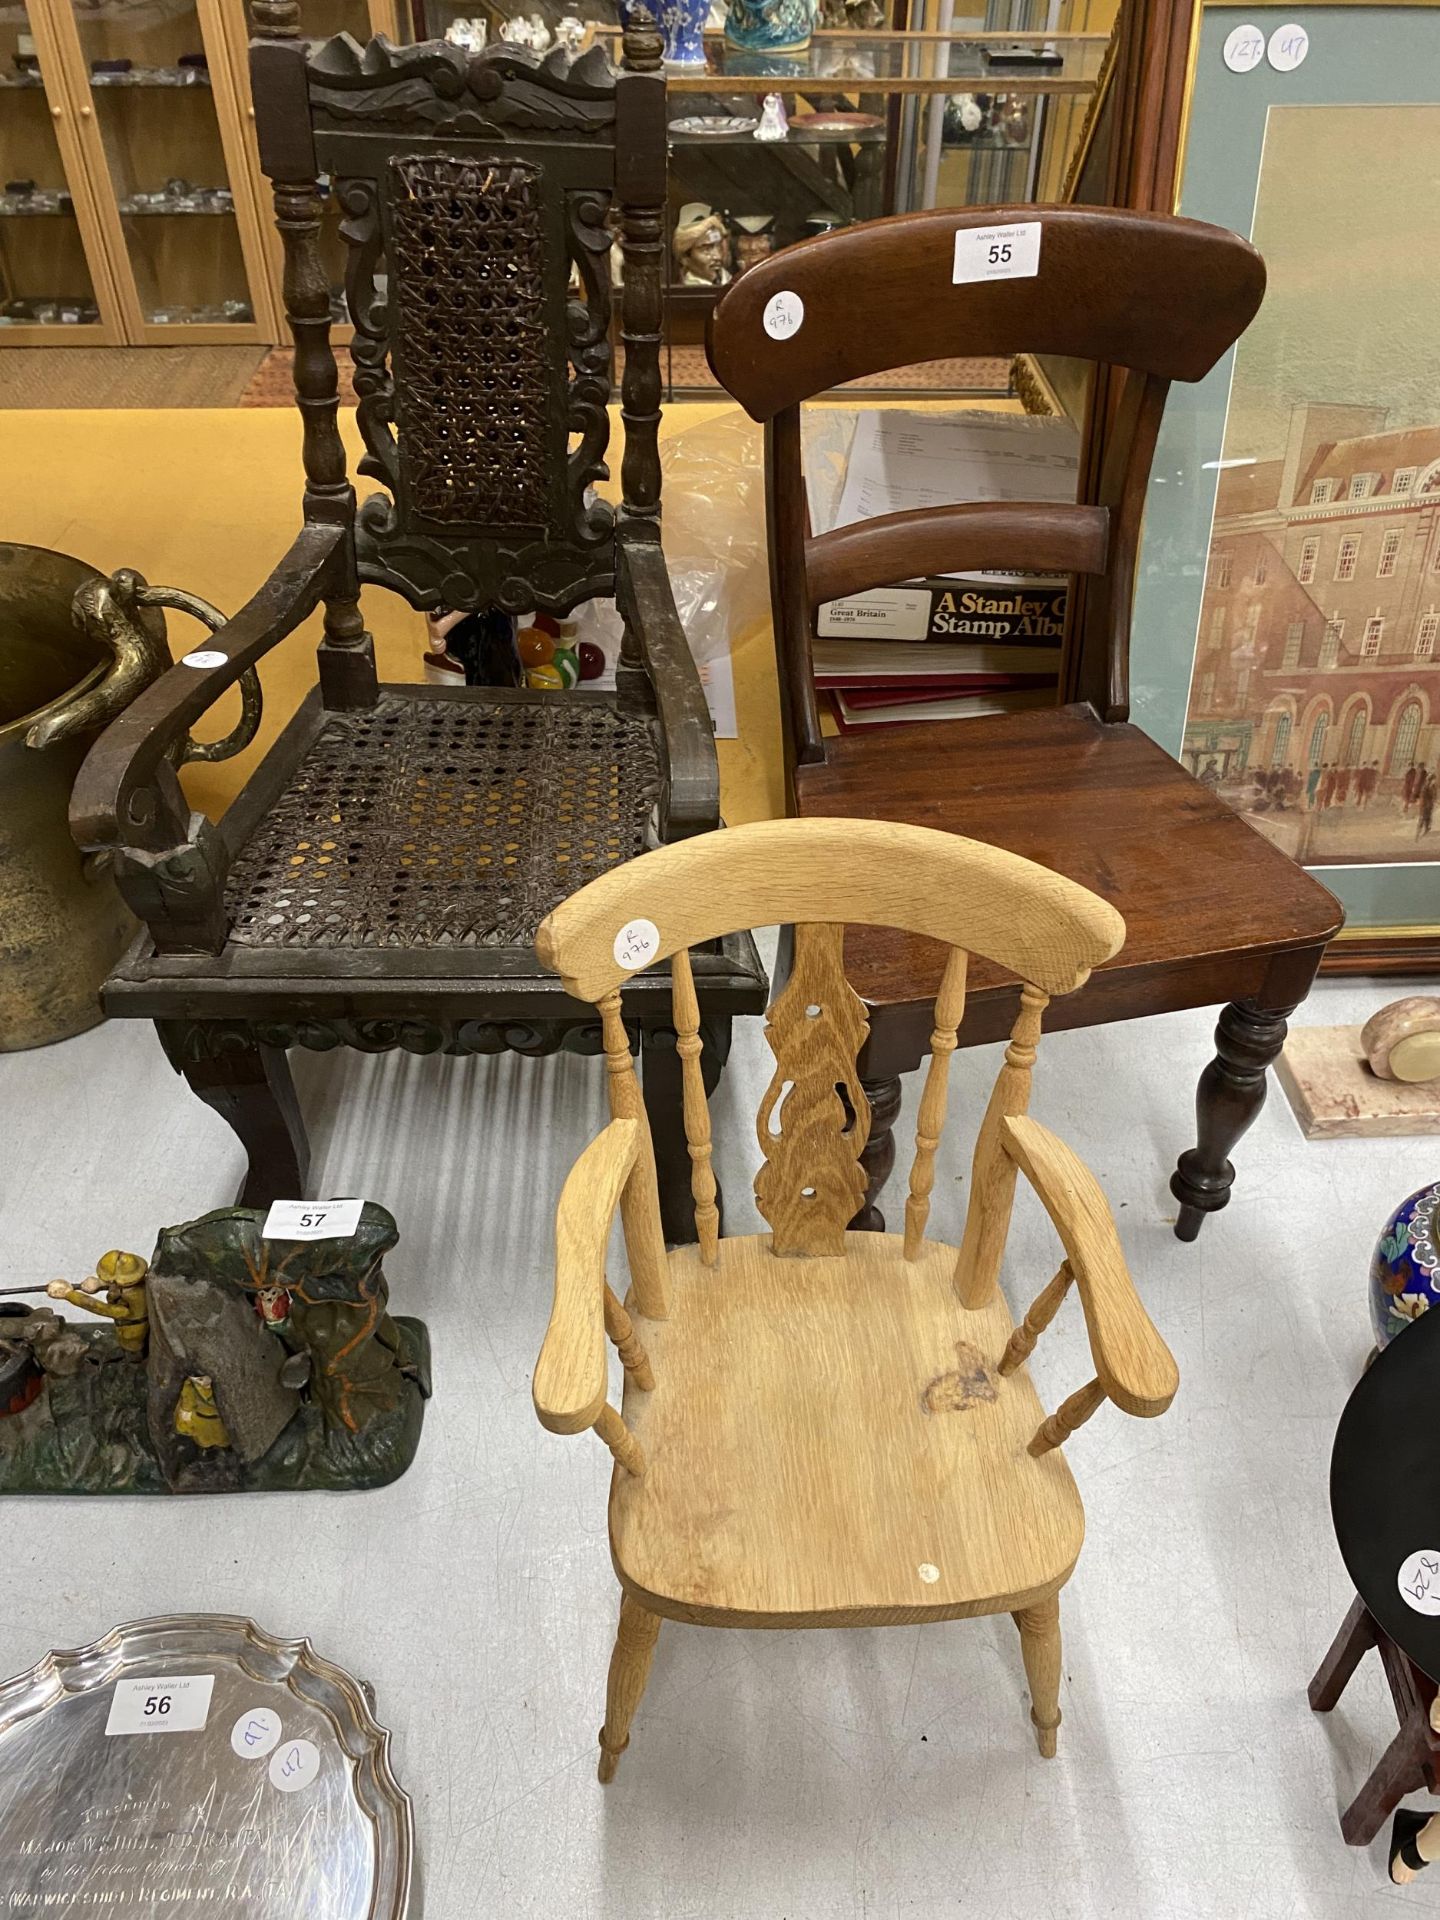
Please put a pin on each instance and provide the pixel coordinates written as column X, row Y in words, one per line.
column 379, row 881
column 1214, row 911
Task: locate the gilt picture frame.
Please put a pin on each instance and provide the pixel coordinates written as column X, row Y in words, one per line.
column 1287, row 621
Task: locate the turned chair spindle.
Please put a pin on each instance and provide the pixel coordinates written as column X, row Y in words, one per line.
column 1069, row 1415
column 696, row 1105
column 1042, row 1311
column 949, row 1009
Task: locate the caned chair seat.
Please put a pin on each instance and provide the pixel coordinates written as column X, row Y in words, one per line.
column 427, row 820
column 828, row 1442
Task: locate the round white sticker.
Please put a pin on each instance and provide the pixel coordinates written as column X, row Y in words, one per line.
column 207, row 657
column 784, row 315
column 1419, row 1580
column 636, row 944
column 928, row 1572
column 294, row 1766
column 255, row 1733
column 1288, row 47
column 1244, row 49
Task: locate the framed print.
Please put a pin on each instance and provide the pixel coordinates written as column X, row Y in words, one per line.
column 1287, row 619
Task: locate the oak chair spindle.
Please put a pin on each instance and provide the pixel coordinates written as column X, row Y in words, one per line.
column 741, row 1497
column 696, row 1106
column 949, row 1010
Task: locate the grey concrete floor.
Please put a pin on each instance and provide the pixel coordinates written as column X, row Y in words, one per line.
column 791, row 1774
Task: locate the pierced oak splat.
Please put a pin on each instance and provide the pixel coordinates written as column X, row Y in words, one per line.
column 812, row 1184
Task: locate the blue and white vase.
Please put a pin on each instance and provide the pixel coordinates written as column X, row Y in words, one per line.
column 1405, row 1272
column 770, row 26
column 683, row 24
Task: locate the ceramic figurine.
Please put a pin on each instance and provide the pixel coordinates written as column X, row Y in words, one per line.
column 754, row 238
column 683, row 24
column 774, row 125
column 1403, row 1274
column 231, row 1363
column 469, row 34
column 964, row 118
column 570, row 34
column 770, row 26
column 701, row 245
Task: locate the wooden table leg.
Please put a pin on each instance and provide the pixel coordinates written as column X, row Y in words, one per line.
column 250, row 1087
column 1227, row 1102
column 1351, row 1644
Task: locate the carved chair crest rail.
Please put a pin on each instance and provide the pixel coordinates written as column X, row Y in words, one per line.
column 824, row 1427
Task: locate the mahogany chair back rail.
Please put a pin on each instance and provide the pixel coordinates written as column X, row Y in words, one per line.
column 813, row 1120
column 1158, row 297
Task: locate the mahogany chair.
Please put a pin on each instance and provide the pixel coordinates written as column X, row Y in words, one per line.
column 379, row 881
column 821, row 1427
column 1214, row 912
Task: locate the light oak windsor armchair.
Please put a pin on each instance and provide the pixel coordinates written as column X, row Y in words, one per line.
column 785, row 1458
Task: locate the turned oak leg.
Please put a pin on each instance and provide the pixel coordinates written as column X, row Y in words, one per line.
column 250, row 1087
column 1040, row 1649
column 1351, row 1644
column 878, row 1158
column 1230, row 1096
column 665, row 1108
column 629, row 1670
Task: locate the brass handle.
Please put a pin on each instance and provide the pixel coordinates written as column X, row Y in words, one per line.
column 251, row 703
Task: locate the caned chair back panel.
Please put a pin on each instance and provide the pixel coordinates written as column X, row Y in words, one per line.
column 820, row 875
column 1162, row 295
column 481, row 194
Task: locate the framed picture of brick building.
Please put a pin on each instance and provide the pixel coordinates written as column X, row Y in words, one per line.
column 1288, row 619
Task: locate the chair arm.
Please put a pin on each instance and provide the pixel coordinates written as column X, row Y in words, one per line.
column 571, row 1381
column 691, row 801
column 125, row 794
column 1132, row 1362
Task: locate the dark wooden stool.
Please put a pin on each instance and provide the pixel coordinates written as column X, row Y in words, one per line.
column 1385, row 1502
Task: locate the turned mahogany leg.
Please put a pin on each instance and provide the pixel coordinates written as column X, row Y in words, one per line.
column 1040, row 1649
column 629, row 1670
column 1230, row 1096
column 1351, row 1644
column 665, row 1108
column 878, row 1158
column 250, row 1087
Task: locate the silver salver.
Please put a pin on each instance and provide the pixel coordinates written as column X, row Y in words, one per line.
column 281, row 1804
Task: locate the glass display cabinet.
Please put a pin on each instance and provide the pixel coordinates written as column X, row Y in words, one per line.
column 143, row 184
column 55, row 285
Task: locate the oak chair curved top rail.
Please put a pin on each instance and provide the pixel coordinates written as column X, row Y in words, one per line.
column 825, row 1427
column 866, row 872
column 1162, row 295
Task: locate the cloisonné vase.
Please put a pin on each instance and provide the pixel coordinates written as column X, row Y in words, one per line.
column 770, row 26
column 1405, row 1272
column 683, row 24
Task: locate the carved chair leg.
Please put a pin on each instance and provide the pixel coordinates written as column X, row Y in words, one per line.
column 1351, row 1644
column 1228, row 1100
column 250, row 1087
column 1040, row 1649
column 878, row 1157
column 665, row 1108
column 629, row 1670
column 347, row 658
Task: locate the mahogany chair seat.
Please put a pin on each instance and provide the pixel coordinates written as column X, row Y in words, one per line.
column 746, row 1517
column 1212, row 910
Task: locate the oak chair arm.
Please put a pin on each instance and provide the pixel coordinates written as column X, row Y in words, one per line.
column 125, row 794
column 690, row 802
column 1132, row 1363
column 570, row 1382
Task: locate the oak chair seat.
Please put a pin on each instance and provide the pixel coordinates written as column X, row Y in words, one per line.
column 890, row 1484
column 1201, row 892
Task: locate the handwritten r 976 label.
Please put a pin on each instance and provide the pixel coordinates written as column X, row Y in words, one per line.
column 636, row 944
column 1419, row 1580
